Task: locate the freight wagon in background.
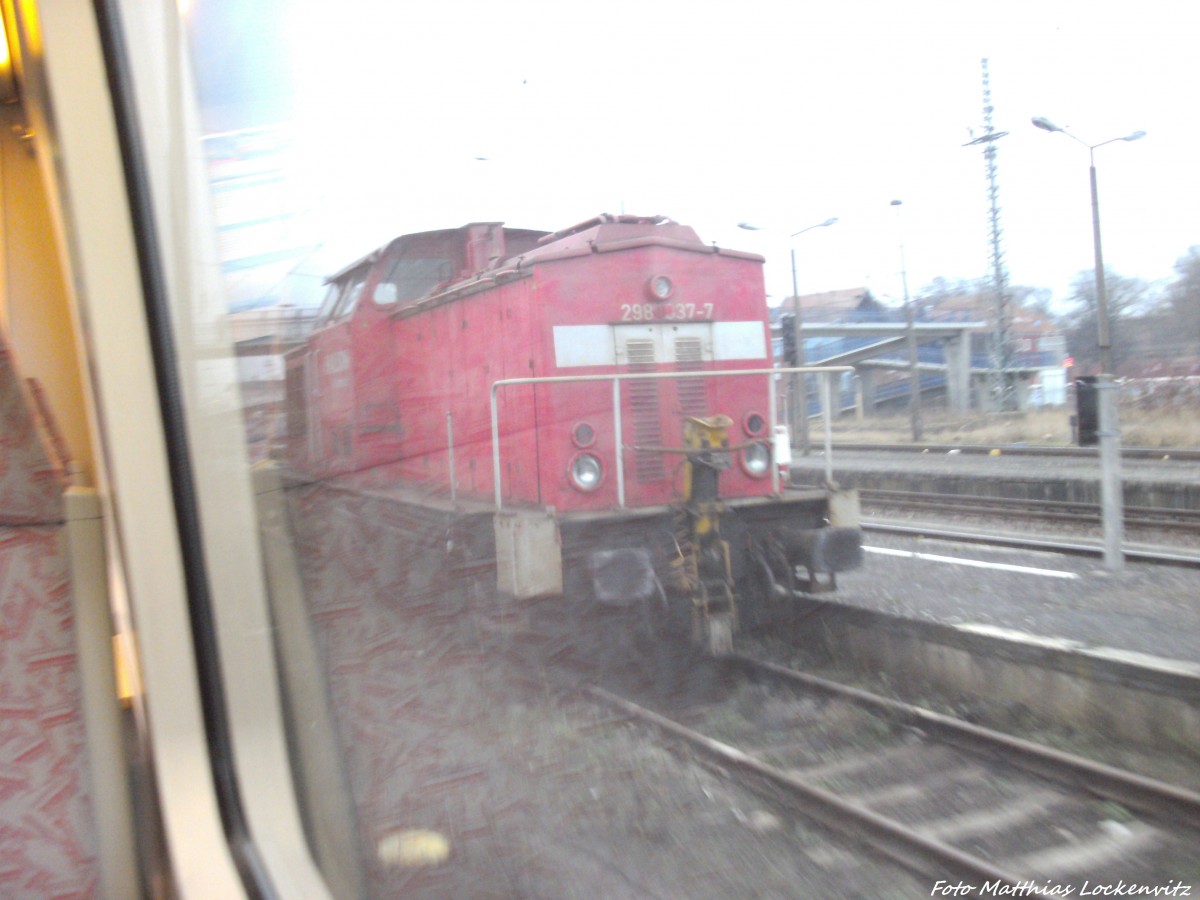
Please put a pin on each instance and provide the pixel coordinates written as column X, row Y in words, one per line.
column 599, row 401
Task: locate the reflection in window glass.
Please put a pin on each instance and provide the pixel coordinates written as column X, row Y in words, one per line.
column 434, row 645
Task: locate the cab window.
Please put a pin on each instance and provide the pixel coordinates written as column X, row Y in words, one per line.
column 411, row 278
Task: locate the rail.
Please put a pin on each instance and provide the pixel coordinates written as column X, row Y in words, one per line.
column 825, row 371
column 1173, row 803
column 954, row 836
column 1163, row 454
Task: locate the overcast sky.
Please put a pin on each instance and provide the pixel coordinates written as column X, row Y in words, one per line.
column 778, row 114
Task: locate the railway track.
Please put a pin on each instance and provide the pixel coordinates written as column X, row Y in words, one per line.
column 947, row 799
column 1185, row 520
column 1178, row 454
column 1165, row 557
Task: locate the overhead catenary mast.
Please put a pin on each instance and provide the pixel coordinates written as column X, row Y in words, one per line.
column 1003, row 393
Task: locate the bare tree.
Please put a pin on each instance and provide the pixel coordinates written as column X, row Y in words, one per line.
column 1183, row 302
column 1127, row 299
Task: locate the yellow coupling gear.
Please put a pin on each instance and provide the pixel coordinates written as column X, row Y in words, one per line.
column 707, row 561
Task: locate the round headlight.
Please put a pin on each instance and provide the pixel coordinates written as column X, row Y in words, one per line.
column 586, row 472
column 756, row 460
column 660, row 287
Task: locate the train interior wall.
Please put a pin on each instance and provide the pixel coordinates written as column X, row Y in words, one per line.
column 50, row 845
column 62, row 766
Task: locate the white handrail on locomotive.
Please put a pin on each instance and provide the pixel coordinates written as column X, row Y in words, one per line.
column 825, row 371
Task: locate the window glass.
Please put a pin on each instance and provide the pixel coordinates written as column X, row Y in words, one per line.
column 437, row 744
column 412, row 278
column 325, row 311
column 350, row 296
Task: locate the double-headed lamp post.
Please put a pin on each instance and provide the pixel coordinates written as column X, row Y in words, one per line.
column 1109, row 433
column 800, row 394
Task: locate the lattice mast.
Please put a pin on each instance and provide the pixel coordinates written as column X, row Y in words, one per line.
column 1002, row 391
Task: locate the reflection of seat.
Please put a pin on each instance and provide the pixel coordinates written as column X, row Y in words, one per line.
column 46, row 808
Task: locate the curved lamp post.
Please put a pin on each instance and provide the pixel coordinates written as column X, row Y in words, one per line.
column 800, row 403
column 1109, row 433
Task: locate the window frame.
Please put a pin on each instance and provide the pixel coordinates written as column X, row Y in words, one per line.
column 211, row 709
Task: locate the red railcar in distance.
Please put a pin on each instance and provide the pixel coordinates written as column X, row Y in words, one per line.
column 612, row 331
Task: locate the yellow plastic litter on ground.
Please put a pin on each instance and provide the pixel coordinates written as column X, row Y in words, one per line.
column 993, row 452
column 415, row 847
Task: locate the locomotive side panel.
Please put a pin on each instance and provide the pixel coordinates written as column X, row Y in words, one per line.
column 340, row 415
column 333, row 403
column 447, row 358
column 377, row 412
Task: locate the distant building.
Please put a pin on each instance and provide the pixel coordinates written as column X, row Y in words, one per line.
column 955, row 335
column 260, row 338
column 849, row 305
column 846, row 305
column 1034, row 341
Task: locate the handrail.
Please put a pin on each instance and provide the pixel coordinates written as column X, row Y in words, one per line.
column 617, row 378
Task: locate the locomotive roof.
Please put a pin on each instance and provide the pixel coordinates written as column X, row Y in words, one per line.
column 418, row 236
column 596, row 235
column 606, row 233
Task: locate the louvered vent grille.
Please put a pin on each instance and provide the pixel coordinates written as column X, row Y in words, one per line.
column 643, row 402
column 689, row 355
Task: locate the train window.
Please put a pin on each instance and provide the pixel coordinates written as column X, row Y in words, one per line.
column 325, row 310
column 350, row 296
column 401, row 559
column 357, row 617
column 411, row 279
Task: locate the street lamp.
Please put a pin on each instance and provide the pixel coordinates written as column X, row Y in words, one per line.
column 1109, row 432
column 800, row 403
column 914, row 371
column 1102, row 325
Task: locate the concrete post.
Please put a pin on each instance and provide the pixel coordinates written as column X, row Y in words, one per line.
column 868, row 390
column 958, row 373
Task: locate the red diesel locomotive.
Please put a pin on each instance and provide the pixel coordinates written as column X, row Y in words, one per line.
column 588, row 387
